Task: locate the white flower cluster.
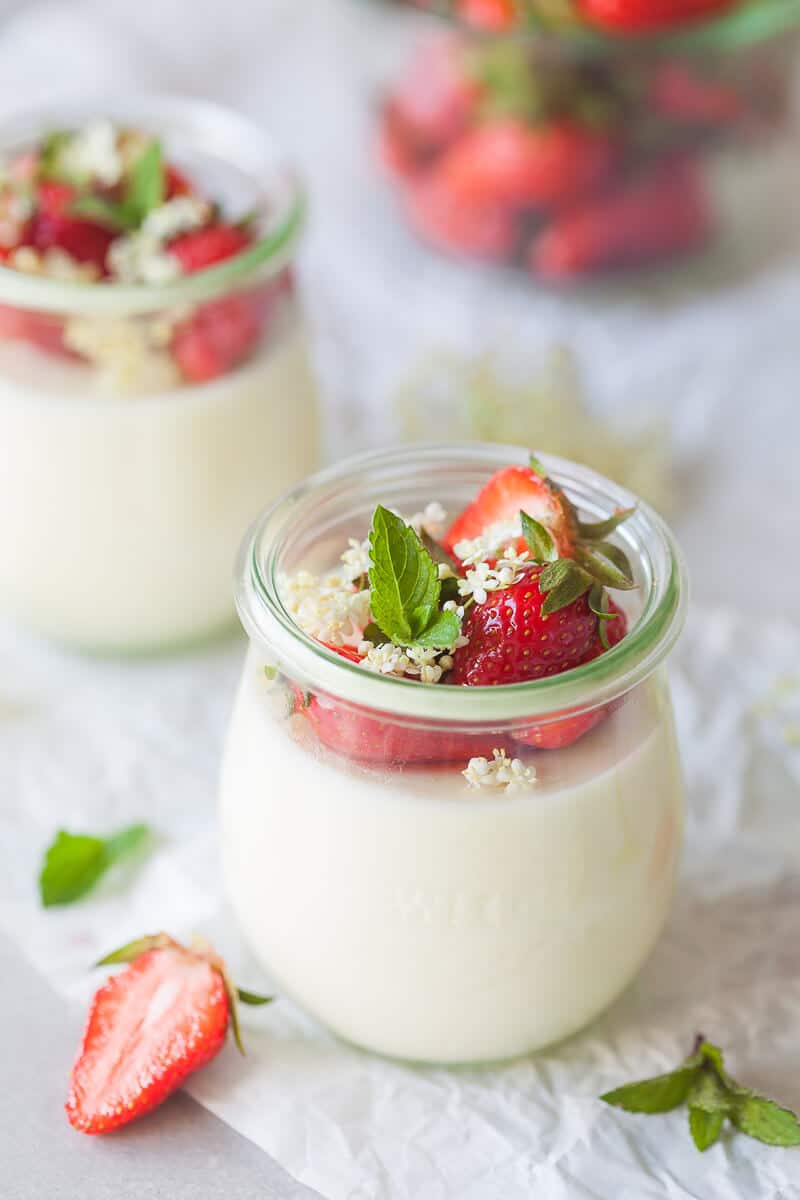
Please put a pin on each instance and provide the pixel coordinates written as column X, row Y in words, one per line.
column 431, row 520
column 482, row 579
column 490, row 542
column 511, row 774
column 16, row 206
column 93, row 153
column 140, row 257
column 54, row 263
column 327, row 608
column 130, row 354
column 181, row 214
column 356, row 558
column 427, row 664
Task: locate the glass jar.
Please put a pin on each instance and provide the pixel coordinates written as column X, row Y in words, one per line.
column 413, row 914
column 130, row 460
column 570, row 153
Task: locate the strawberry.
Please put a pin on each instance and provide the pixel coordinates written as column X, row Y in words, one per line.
column 491, row 15
column 436, row 98
column 512, row 638
column 212, row 244
column 400, row 152
column 221, row 334
column 500, row 501
column 660, row 213
column 85, row 241
column 148, row 1028
column 564, row 731
column 176, row 183
column 444, row 219
column 359, row 734
column 510, row 164
column 682, row 94
column 644, row 16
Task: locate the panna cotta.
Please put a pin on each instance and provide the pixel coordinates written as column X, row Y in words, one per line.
column 154, row 368
column 464, row 847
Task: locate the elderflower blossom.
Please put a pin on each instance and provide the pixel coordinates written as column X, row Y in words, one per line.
column 356, row 558
column 93, row 152
column 431, row 520
column 420, row 661
column 327, row 608
column 500, row 771
column 140, row 257
column 483, row 579
column 181, row 214
column 475, row 550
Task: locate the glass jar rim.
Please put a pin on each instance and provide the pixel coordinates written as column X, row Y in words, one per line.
column 743, row 26
column 219, row 126
column 608, row 676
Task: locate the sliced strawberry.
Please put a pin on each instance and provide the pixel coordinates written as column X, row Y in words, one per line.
column 203, row 247
column 148, row 1028
column 44, row 330
column 444, row 220
column 561, row 732
column 221, row 334
column 400, row 152
column 511, row 640
column 641, row 16
column 500, row 501
column 511, row 164
column 659, row 214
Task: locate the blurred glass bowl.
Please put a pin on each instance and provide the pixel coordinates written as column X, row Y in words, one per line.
column 570, row 152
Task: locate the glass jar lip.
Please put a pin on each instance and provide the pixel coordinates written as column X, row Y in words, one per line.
column 743, row 26
column 610, row 675
column 221, row 126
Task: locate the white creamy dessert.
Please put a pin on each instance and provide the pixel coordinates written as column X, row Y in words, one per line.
column 155, row 379
column 120, row 516
column 451, row 803
column 424, row 920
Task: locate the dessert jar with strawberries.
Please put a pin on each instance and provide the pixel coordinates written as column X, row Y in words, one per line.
column 573, row 139
column 451, row 803
column 154, row 376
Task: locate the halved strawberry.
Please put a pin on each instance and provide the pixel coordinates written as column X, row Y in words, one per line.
column 212, row 244
column 45, row 330
column 148, row 1028
column 500, row 501
column 53, row 226
column 222, row 333
column 510, row 164
column 359, row 734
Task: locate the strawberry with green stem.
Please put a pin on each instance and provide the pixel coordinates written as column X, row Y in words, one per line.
column 149, row 1027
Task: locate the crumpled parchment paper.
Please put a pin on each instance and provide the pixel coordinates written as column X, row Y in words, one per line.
column 93, row 745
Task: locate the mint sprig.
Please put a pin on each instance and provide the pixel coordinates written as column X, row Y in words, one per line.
column 144, row 191
column 713, row 1097
column 405, row 588
column 74, row 862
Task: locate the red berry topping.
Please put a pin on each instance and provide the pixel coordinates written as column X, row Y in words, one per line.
column 661, row 213
column 493, row 15
column 509, row 491
column 212, row 244
column 219, row 335
column 148, row 1028
column 642, row 16
column 53, row 226
column 455, row 226
column 511, row 640
column 512, row 164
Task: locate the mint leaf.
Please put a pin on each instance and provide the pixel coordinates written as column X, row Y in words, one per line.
column 766, row 1121
column 441, row 633
column 50, row 150
column 540, row 543
column 145, row 190
column 104, row 212
column 75, row 862
column 660, row 1094
column 705, row 1126
column 403, row 578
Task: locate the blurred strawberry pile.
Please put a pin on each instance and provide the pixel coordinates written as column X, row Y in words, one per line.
column 102, row 205
column 616, row 16
column 570, row 162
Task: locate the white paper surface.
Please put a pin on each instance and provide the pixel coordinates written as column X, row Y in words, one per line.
column 94, row 745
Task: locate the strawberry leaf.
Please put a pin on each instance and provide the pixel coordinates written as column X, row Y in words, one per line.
column 540, row 543
column 606, row 564
column 252, row 998
column 74, row 863
column 562, row 581
column 597, row 531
